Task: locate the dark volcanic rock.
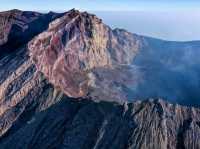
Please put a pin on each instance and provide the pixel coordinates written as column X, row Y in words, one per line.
column 84, row 57
column 20, row 83
column 18, row 27
column 74, row 50
column 85, row 124
column 35, row 114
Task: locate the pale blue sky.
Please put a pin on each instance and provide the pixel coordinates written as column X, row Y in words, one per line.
column 176, row 26
column 166, row 19
column 118, row 5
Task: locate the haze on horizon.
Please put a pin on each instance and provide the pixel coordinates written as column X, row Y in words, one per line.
column 176, row 20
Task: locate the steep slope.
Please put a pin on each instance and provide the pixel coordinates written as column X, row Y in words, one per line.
column 84, row 57
column 21, row 88
column 36, row 114
column 77, row 49
column 18, row 27
column 85, row 125
column 20, row 83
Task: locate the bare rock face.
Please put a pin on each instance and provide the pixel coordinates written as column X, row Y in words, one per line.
column 85, row 124
column 76, row 46
column 35, row 114
column 18, row 27
column 14, row 17
column 20, row 82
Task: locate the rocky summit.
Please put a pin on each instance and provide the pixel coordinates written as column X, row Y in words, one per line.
column 65, row 80
column 77, row 49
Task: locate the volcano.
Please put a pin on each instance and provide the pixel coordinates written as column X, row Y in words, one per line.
column 67, row 80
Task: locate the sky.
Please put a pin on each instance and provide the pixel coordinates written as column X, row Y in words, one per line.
column 101, row 5
column 173, row 26
column 166, row 19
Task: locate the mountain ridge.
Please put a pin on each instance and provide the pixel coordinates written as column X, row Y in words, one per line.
column 76, row 45
column 35, row 113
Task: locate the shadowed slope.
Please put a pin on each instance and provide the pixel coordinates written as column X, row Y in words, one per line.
column 85, row 125
column 18, row 27
column 77, row 49
column 36, row 114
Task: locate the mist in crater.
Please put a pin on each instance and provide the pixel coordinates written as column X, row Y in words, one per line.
column 168, row 70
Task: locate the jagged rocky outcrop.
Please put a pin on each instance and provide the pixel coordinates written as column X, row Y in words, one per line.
column 77, row 49
column 85, row 125
column 19, row 79
column 83, row 57
column 35, row 111
column 18, row 27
